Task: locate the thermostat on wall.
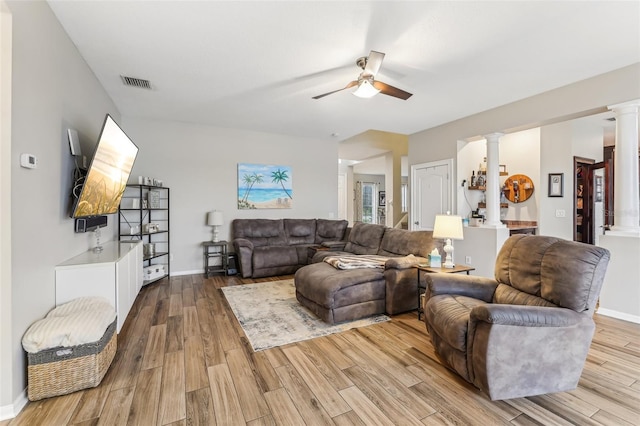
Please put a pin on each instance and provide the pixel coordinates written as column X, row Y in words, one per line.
column 29, row 161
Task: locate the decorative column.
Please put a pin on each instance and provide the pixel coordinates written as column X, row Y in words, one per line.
column 492, row 192
column 626, row 203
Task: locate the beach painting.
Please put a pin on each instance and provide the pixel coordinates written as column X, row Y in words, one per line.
column 263, row 186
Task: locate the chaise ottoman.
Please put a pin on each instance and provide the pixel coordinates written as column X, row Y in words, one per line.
column 340, row 295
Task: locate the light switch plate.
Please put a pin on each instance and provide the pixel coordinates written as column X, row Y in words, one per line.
column 561, row 213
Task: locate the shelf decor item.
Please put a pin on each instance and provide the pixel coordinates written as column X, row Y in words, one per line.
column 154, row 199
column 556, row 184
column 449, row 228
column 216, row 220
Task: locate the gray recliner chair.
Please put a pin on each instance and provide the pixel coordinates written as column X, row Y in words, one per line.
column 528, row 331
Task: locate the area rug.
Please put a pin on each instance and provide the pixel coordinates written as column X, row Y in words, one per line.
column 271, row 316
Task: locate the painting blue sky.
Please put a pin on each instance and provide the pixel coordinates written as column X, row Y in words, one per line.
column 264, row 186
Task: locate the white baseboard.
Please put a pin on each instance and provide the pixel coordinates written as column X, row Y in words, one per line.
column 195, row 271
column 619, row 315
column 11, row 411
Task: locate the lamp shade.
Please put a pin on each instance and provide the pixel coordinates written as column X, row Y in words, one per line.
column 215, row 218
column 447, row 226
column 365, row 90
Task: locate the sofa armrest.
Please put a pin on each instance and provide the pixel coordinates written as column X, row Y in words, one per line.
column 463, row 285
column 401, row 287
column 334, row 245
column 244, row 255
column 526, row 316
column 404, row 262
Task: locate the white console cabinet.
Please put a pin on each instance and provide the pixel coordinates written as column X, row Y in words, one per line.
column 115, row 274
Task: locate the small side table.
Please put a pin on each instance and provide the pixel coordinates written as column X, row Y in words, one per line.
column 430, row 270
column 217, row 250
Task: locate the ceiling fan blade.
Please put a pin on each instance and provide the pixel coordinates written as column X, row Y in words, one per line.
column 374, row 61
column 353, row 83
column 391, row 91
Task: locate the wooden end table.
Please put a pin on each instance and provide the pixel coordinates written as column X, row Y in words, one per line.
column 431, row 270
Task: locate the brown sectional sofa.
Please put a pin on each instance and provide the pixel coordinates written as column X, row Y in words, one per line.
column 268, row 247
column 337, row 295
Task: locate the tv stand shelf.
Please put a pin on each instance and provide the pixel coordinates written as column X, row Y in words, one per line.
column 144, row 208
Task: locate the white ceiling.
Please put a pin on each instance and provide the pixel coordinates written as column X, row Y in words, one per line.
column 256, row 65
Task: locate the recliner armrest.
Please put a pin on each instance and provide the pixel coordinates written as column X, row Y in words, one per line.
column 244, row 254
column 525, row 315
column 242, row 242
column 464, row 285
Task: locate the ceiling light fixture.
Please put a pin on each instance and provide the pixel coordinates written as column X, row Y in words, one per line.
column 365, row 89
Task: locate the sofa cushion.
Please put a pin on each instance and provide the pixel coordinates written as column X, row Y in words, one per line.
column 449, row 316
column 274, row 256
column 401, row 242
column 261, row 232
column 330, row 230
column 508, row 295
column 300, row 231
column 365, row 238
column 330, row 287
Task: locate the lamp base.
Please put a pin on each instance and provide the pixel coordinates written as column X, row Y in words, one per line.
column 215, row 238
column 448, row 249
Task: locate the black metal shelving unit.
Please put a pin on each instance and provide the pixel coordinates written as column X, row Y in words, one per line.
column 141, row 207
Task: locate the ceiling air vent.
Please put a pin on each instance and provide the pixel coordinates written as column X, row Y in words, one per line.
column 136, row 82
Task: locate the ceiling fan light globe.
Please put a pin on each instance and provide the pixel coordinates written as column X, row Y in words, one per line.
column 365, row 90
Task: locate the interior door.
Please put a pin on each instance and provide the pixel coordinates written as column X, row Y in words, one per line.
column 431, row 193
column 599, row 196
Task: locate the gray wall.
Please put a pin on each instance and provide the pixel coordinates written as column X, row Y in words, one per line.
column 200, row 165
column 52, row 89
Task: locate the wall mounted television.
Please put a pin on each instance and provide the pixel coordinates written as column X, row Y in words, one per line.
column 107, row 175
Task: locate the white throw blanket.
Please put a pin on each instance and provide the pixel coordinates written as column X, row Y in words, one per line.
column 356, row 262
column 83, row 320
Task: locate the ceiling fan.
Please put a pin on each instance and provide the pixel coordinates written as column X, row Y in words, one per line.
column 367, row 85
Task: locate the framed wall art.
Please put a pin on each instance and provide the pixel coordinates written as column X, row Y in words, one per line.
column 264, row 186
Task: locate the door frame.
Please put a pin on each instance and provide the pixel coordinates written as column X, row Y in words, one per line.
column 414, row 195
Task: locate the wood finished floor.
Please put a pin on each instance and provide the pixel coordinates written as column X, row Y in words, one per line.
column 183, row 360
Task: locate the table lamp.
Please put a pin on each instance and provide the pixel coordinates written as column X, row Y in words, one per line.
column 449, row 228
column 216, row 220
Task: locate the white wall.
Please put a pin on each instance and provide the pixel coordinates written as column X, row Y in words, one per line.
column 559, row 143
column 620, row 296
column 52, row 88
column 199, row 164
column 481, row 245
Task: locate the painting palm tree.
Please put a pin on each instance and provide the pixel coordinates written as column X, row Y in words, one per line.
column 280, row 176
column 251, row 180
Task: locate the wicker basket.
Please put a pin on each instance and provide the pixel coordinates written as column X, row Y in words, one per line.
column 62, row 370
